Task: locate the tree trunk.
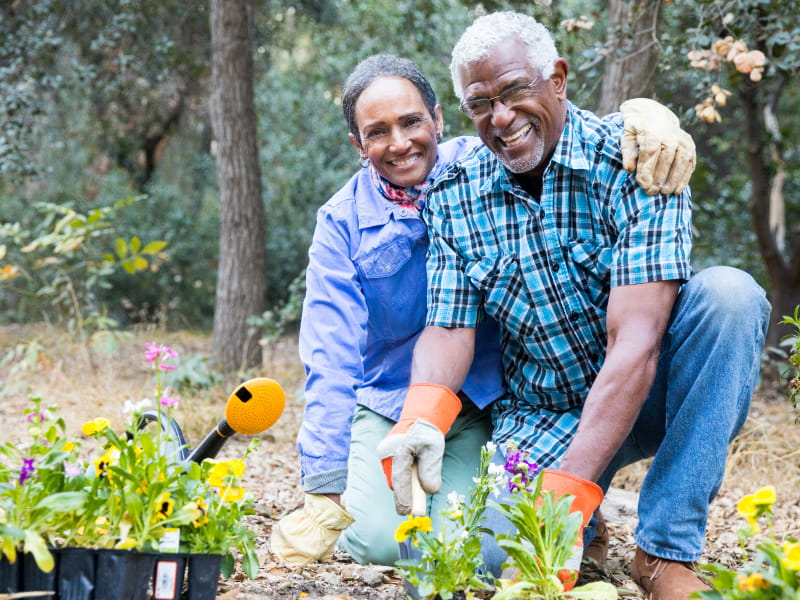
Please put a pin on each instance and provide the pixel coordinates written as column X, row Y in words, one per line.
column 632, row 53
column 784, row 274
column 240, row 276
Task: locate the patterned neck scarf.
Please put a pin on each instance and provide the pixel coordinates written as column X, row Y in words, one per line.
column 410, row 197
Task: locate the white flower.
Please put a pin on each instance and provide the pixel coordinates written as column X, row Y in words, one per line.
column 491, row 448
column 455, row 500
column 135, row 408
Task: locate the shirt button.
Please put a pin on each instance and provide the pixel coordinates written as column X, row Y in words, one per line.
column 573, row 316
column 403, row 212
column 556, row 268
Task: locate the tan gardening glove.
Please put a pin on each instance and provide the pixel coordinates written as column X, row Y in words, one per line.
column 309, row 534
column 655, row 146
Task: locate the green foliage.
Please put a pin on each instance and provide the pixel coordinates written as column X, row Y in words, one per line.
column 63, row 266
column 451, row 558
column 771, row 567
column 96, row 102
column 792, row 343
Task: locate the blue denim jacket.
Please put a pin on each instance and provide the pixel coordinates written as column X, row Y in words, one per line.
column 364, row 308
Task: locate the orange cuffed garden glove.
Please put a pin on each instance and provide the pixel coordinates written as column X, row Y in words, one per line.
column 418, row 437
column 587, row 496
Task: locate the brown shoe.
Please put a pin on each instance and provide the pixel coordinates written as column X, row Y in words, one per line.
column 597, row 550
column 663, row 579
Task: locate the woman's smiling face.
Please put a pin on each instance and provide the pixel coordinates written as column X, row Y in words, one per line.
column 397, row 132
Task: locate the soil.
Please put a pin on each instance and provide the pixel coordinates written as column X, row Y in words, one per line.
column 84, row 386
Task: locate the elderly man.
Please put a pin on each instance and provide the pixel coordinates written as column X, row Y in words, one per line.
column 614, row 350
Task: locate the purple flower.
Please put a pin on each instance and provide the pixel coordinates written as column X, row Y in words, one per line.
column 26, row 471
column 71, row 470
column 521, row 471
column 38, row 417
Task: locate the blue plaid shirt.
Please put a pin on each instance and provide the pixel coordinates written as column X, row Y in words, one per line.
column 543, row 268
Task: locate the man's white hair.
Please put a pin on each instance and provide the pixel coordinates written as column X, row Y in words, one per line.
column 486, row 33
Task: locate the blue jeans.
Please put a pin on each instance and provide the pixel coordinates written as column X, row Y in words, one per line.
column 707, row 371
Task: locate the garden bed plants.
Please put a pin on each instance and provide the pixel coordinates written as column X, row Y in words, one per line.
column 119, row 516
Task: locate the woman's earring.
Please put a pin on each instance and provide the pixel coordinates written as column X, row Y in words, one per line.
column 364, row 162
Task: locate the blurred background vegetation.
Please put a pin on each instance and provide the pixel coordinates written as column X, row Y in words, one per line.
column 106, row 148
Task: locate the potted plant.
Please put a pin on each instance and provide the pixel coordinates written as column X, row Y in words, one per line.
column 130, row 515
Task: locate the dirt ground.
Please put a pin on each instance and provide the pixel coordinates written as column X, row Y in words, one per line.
column 87, row 383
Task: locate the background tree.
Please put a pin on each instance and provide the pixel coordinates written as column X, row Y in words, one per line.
column 240, row 276
column 631, row 53
column 745, row 58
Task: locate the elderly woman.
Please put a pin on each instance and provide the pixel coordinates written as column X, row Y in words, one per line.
column 364, row 308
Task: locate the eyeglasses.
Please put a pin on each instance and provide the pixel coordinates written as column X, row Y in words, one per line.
column 480, row 107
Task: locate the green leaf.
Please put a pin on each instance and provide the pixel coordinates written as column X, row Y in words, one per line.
column 135, row 244
column 62, row 502
column 140, row 263
column 34, row 543
column 128, row 266
column 153, row 247
column 122, row 248
column 596, row 590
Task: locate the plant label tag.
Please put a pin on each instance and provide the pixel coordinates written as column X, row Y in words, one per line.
column 170, row 540
column 166, row 580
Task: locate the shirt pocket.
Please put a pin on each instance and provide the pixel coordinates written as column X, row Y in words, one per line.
column 590, row 270
column 505, row 292
column 394, row 281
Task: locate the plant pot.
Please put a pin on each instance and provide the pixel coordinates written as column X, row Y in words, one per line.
column 168, row 576
column 123, row 575
column 36, row 580
column 9, row 574
column 203, row 576
column 76, row 570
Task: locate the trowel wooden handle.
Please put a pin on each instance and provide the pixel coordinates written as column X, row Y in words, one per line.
column 418, row 500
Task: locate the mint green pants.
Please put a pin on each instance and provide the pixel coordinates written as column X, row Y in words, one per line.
column 370, row 539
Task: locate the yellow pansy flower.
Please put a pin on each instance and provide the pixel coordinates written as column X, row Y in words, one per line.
column 406, row 528
column 69, row 446
column 792, row 559
column 753, row 582
column 199, row 508
column 223, row 469
column 765, row 496
column 164, row 506
column 747, row 507
column 95, row 427
column 232, row 494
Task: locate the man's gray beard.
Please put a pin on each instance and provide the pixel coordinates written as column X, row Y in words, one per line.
column 526, row 163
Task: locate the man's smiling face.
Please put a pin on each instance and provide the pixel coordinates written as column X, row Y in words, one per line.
column 523, row 135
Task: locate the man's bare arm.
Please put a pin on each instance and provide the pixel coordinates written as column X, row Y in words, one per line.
column 443, row 355
column 637, row 317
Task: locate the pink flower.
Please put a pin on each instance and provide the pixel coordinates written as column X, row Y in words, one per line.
column 158, row 352
column 169, row 400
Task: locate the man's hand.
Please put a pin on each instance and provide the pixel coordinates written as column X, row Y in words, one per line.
column 587, row 496
column 309, row 534
column 418, row 437
column 655, row 146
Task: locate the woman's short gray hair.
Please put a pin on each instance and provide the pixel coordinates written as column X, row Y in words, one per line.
column 481, row 38
column 375, row 67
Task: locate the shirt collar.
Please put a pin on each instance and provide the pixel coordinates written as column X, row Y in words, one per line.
column 568, row 153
